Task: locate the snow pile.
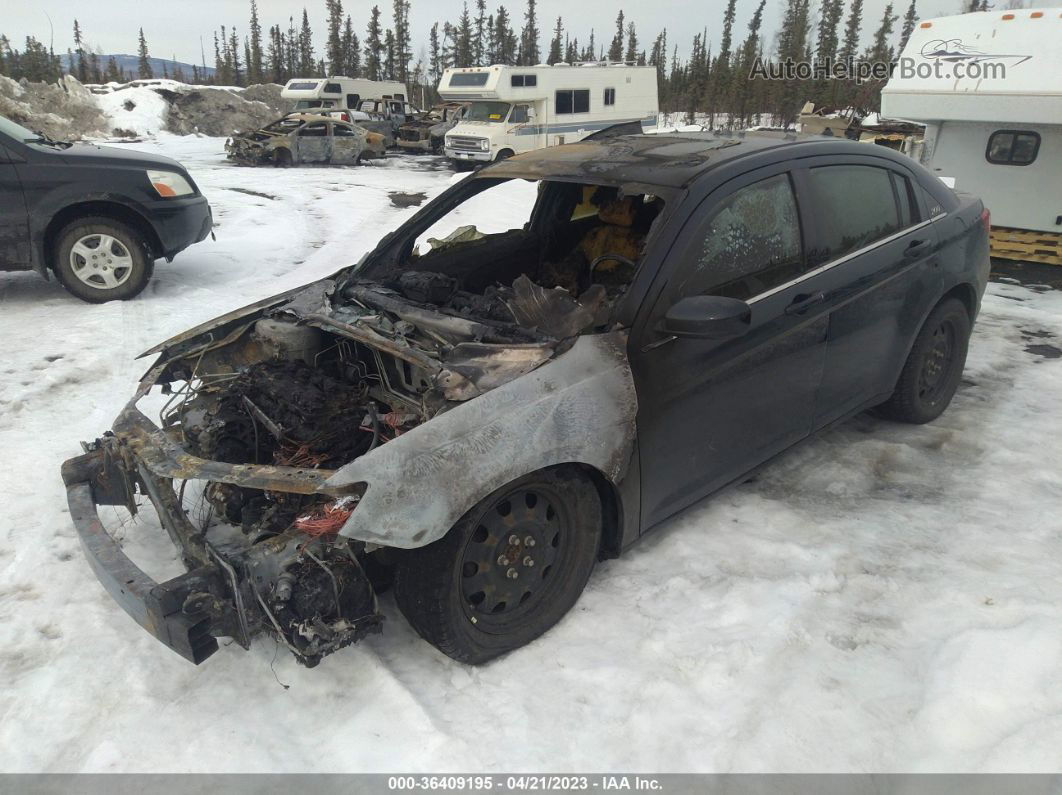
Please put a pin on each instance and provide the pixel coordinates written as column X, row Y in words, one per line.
column 65, row 110
column 222, row 111
column 134, row 110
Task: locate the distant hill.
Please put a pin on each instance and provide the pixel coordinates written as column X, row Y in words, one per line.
column 130, row 63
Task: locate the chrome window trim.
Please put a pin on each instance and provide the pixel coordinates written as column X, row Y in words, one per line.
column 842, row 259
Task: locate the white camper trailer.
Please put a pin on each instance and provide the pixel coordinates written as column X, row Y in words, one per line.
column 988, row 87
column 339, row 93
column 517, row 109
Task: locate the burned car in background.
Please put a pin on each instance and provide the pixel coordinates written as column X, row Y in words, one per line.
column 427, row 133
column 302, row 138
column 615, row 329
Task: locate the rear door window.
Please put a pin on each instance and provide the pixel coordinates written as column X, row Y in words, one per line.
column 855, row 206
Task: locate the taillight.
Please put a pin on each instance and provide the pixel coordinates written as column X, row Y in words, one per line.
column 986, row 219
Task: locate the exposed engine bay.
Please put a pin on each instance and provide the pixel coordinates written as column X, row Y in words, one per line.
column 266, row 408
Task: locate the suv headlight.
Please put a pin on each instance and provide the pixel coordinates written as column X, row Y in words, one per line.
column 169, row 184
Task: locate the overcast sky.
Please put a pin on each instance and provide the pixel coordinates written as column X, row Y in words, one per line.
column 174, row 29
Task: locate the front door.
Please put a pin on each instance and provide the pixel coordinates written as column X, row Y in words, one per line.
column 14, row 220
column 711, row 410
column 346, row 145
column 313, row 143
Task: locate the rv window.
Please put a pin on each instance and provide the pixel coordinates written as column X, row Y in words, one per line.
column 1012, row 147
column 577, row 101
column 302, row 86
column 858, row 206
column 519, row 114
column 333, row 88
column 468, row 79
column 524, row 81
column 352, row 101
column 610, row 96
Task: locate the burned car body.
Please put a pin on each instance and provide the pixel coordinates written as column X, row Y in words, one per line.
column 427, row 133
column 477, row 422
column 303, row 138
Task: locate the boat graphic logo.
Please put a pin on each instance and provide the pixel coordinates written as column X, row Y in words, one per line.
column 954, row 51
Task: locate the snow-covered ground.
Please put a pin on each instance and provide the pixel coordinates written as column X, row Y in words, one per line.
column 882, row 598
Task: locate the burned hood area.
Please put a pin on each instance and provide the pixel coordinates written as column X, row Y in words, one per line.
column 308, row 439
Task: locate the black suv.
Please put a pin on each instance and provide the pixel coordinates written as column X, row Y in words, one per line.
column 478, row 421
column 98, row 217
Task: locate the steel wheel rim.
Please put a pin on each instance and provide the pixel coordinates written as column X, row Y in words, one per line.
column 511, row 562
column 937, row 363
column 101, row 261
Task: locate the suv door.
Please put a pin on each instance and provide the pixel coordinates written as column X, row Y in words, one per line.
column 711, row 410
column 877, row 258
column 14, row 219
column 313, row 143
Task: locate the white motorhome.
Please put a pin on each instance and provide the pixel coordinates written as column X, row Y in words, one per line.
column 339, row 93
column 516, row 109
column 988, row 87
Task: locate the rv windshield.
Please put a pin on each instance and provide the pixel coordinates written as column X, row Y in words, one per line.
column 487, row 111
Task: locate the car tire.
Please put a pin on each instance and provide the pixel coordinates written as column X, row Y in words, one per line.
column 504, row 154
column 282, row 158
column 934, row 366
column 507, row 571
column 123, row 267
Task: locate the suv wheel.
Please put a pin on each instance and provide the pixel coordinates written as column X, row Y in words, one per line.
column 934, row 367
column 507, row 571
column 99, row 259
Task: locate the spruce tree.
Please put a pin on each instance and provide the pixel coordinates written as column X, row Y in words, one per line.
column 373, row 45
column 615, row 50
column 435, row 65
column 334, row 45
column 479, row 48
column 79, row 49
column 307, row 62
column 143, row 62
column 556, row 54
column 529, row 53
column 255, row 67
column 909, row 20
column 403, row 46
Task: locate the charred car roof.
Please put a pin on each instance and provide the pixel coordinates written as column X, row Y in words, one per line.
column 671, row 160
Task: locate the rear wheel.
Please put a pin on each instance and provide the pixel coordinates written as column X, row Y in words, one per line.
column 99, row 259
column 934, row 366
column 507, row 571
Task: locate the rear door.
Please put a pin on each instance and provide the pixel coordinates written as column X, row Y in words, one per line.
column 711, row 410
column 877, row 257
column 313, row 144
column 14, row 220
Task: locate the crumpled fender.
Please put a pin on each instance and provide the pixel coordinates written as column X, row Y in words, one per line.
column 580, row 407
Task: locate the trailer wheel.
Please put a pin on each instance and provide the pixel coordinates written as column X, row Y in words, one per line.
column 933, row 368
column 507, row 571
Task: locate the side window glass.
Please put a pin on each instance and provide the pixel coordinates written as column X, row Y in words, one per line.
column 519, row 114
column 933, row 207
column 908, row 210
column 316, row 129
column 750, row 244
column 342, row 131
column 855, row 206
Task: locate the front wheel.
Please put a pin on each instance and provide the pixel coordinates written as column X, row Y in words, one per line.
column 507, row 571
column 100, row 259
column 933, row 368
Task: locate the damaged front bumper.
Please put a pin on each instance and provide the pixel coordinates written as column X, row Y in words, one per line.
column 221, row 594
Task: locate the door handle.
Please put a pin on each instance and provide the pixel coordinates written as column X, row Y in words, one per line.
column 803, row 302
column 916, row 248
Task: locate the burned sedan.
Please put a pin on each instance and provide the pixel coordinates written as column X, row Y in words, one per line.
column 302, row 138
column 549, row 359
